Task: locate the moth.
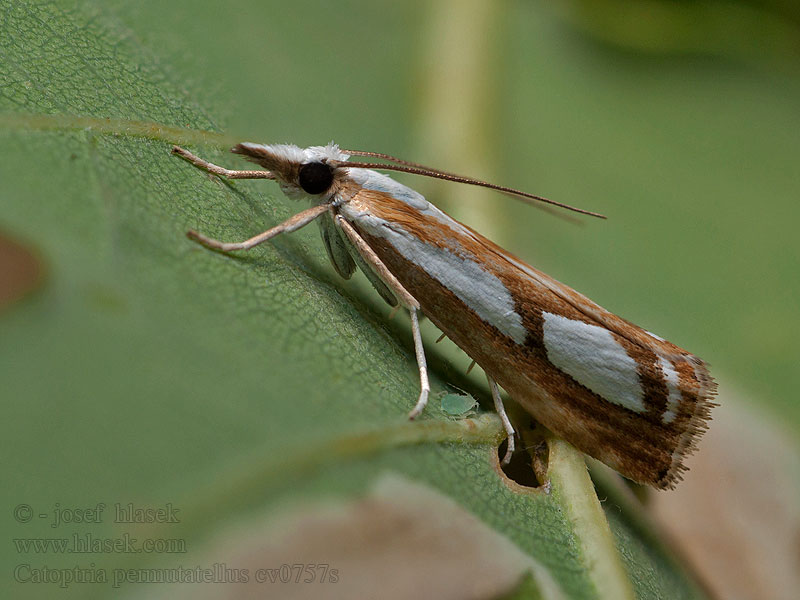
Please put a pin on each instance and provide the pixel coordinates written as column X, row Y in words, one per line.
column 618, row 393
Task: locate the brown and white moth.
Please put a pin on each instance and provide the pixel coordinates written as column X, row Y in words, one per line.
column 617, row 392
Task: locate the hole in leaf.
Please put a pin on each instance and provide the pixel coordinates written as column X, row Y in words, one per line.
column 528, row 466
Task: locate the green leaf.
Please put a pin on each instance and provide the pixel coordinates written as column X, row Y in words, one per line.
column 149, row 370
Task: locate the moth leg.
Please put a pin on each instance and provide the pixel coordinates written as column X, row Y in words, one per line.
column 368, row 254
column 289, row 225
column 501, row 410
column 217, row 170
column 423, row 368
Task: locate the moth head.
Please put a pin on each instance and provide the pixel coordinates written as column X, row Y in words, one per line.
column 301, row 172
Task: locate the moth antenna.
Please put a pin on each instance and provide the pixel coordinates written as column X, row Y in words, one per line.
column 404, row 166
column 394, row 159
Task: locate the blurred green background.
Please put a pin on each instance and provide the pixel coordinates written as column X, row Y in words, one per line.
column 144, row 367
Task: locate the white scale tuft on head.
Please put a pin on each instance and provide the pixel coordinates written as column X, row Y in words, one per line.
column 296, row 154
column 325, row 153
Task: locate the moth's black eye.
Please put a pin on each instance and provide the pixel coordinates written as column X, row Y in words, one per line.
column 315, row 177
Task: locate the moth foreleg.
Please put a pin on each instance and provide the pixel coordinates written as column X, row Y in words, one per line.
column 217, row 170
column 501, row 410
column 380, row 269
